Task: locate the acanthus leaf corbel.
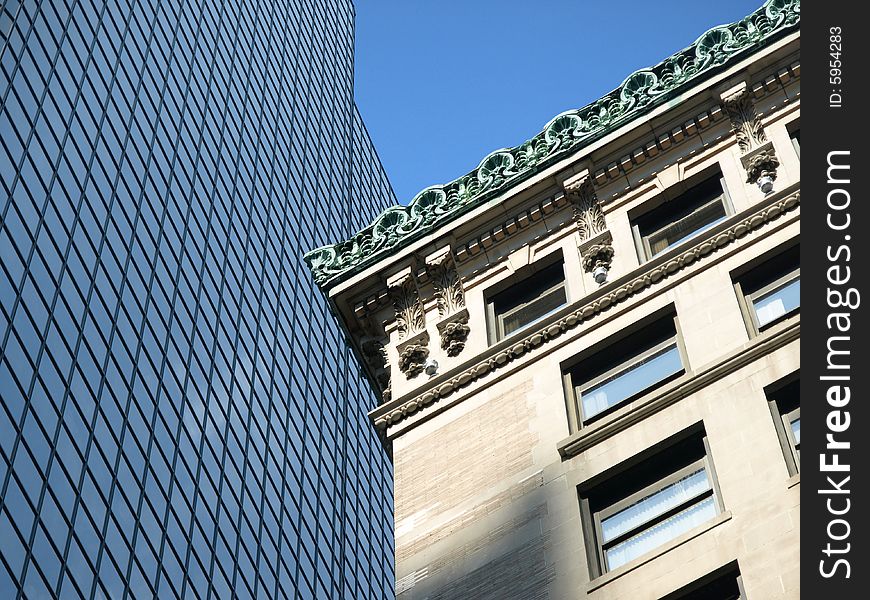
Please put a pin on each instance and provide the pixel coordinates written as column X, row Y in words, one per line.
column 757, row 154
column 595, row 241
column 410, row 317
column 580, row 191
column 453, row 326
column 375, row 355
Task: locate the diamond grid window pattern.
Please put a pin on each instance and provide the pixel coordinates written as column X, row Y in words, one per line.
column 162, row 347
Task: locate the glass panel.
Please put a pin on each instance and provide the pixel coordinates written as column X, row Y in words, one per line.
column 777, row 303
column 703, row 218
column 634, row 379
column 655, row 505
column 534, row 311
column 796, row 431
column 660, row 533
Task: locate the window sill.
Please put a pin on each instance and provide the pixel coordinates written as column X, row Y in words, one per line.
column 793, row 481
column 606, row 578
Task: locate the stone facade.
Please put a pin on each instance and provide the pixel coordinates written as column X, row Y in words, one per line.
column 490, row 453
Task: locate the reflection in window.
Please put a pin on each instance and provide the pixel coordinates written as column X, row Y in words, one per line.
column 626, row 369
column 650, row 368
column 771, row 291
column 640, row 526
column 782, row 299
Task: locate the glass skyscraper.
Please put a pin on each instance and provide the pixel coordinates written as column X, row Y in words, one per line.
column 180, row 415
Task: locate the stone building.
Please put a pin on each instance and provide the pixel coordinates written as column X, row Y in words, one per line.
column 588, row 347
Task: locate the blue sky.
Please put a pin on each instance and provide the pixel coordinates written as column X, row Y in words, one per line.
column 442, row 83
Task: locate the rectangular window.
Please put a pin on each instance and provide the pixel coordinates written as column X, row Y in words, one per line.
column 785, row 406
column 723, row 584
column 771, row 291
column 623, row 370
column 650, row 503
column 682, row 217
column 527, row 301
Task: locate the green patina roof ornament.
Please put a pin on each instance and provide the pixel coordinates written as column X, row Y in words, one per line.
column 568, row 132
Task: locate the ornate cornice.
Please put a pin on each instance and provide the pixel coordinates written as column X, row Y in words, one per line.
column 669, row 140
column 653, row 274
column 642, row 91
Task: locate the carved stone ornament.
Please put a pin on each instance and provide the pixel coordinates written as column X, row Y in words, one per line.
column 375, row 355
column 413, row 355
column 587, row 211
column 598, row 255
column 410, row 316
column 745, row 122
column 454, row 332
column 450, row 296
column 454, row 335
column 565, row 134
column 448, row 288
column 762, row 164
column 486, row 365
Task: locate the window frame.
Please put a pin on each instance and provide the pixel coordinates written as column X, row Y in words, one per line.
column 730, row 572
column 751, row 298
column 577, row 418
column 641, row 241
column 784, row 401
column 794, row 134
column 495, row 319
column 652, row 488
column 591, row 520
column 783, row 264
column 787, row 419
column 625, row 367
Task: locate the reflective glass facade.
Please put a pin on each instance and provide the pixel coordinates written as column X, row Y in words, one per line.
column 180, row 415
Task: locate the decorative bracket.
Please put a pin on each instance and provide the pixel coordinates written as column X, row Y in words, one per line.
column 587, row 210
column 454, row 332
column 413, row 354
column 375, row 355
column 450, row 296
column 758, row 157
column 745, row 122
column 410, row 316
column 597, row 252
column 596, row 242
column 596, row 256
column 761, row 162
